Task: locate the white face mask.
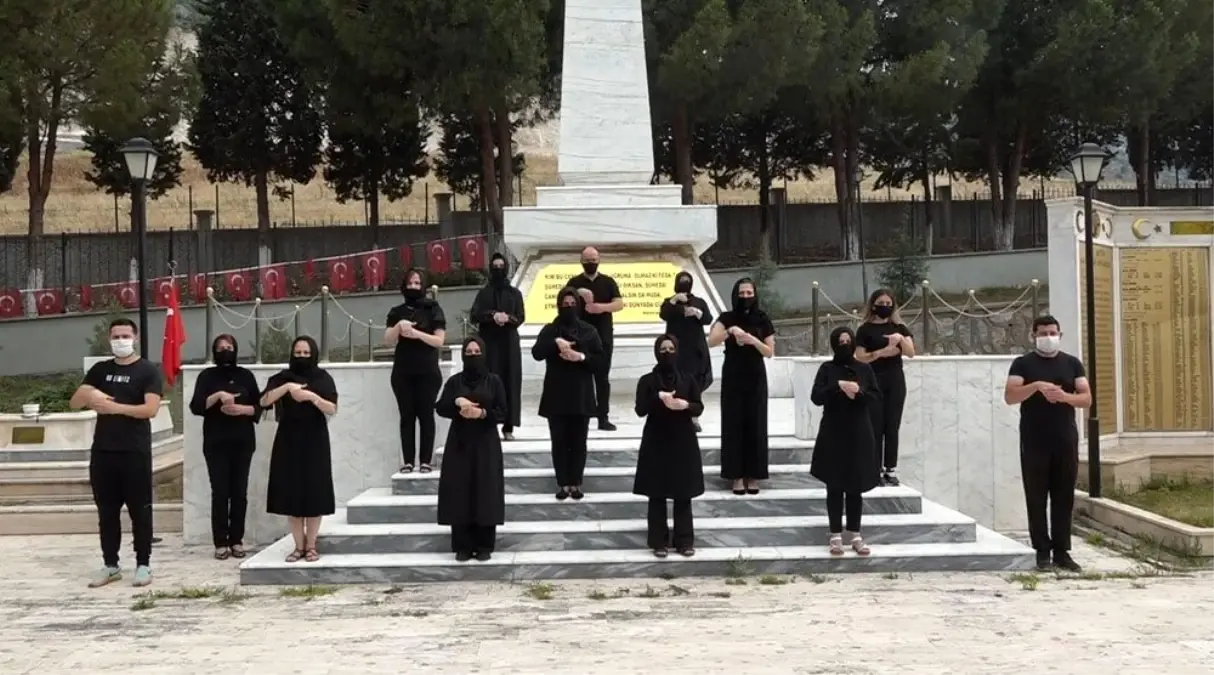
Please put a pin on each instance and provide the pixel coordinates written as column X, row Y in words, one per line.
column 1049, row 344
column 122, row 347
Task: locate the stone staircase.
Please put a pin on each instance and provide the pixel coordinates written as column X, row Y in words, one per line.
column 389, row 535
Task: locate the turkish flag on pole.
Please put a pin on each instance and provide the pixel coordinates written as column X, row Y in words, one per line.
column 438, row 257
column 174, row 338
column 163, row 288
column 274, row 282
column 375, row 270
column 472, row 253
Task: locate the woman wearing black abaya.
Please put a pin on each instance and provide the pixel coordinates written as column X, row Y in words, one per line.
column 749, row 339
column 416, row 330
column 570, row 349
column 301, row 469
column 685, row 316
column 498, row 312
column 844, row 457
column 471, row 485
column 669, row 464
column 881, row 342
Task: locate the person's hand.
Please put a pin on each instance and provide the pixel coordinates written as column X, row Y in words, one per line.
column 1055, row 394
column 470, row 413
column 677, row 404
column 236, row 410
column 501, row 318
column 462, row 403
column 665, row 396
column 594, row 308
column 570, row 355
column 850, row 388
column 563, row 345
column 1042, row 387
column 692, row 311
column 409, row 332
column 301, row 394
column 227, row 398
column 104, row 405
column 403, row 325
column 736, row 332
column 680, row 297
column 747, row 339
column 292, row 386
column 895, row 339
column 586, row 294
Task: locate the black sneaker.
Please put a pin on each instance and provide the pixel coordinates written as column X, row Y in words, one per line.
column 1064, row 562
column 606, row 425
column 1044, row 563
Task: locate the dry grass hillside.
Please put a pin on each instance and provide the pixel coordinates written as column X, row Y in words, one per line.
column 76, row 206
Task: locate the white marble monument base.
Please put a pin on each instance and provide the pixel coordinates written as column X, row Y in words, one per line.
column 365, row 445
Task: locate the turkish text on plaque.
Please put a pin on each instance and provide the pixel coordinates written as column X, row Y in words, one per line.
column 1165, row 334
column 1105, row 366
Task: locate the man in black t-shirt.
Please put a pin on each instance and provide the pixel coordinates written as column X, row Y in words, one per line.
column 1049, row 385
column 125, row 393
column 602, row 299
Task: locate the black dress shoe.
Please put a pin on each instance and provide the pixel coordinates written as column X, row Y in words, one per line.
column 576, row 493
column 463, row 556
column 483, row 555
column 562, row 494
column 606, row 425
column 1044, row 563
column 1064, row 562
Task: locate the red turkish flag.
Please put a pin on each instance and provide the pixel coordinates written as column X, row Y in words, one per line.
column 237, row 284
column 341, row 275
column 163, row 288
column 49, row 301
column 274, row 282
column 438, row 257
column 86, row 297
column 174, row 338
column 198, row 287
column 126, row 293
column 406, row 256
column 309, row 270
column 472, row 253
column 10, row 304
column 375, row 269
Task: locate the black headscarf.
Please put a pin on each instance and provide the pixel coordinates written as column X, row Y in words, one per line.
column 413, row 297
column 305, row 368
column 746, row 310
column 844, row 354
column 475, row 367
column 667, row 369
column 688, row 282
column 499, row 279
column 567, row 322
column 223, row 359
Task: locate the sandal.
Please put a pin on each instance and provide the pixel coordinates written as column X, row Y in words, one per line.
column 836, row 545
column 507, row 435
column 295, row 555
column 311, row 555
column 687, row 552
column 858, row 545
column 222, row 553
column 238, row 552
column 408, row 468
column 660, row 553
column 425, row 468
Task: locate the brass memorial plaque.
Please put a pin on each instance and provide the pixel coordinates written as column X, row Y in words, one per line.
column 28, row 436
column 1165, row 333
column 1106, row 337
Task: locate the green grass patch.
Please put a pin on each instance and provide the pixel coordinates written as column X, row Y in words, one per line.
column 1185, row 501
column 540, row 591
column 307, row 592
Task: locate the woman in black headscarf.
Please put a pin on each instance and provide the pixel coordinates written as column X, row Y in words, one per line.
column 844, row 457
column 570, row 349
column 685, row 316
column 498, row 312
column 471, row 485
column 303, row 396
column 416, row 329
column 749, row 339
column 225, row 397
column 668, row 464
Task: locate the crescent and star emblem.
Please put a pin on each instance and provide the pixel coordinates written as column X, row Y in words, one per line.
column 1140, row 229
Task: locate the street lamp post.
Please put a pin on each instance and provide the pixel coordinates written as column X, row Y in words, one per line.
column 141, row 156
column 857, row 180
column 1086, row 165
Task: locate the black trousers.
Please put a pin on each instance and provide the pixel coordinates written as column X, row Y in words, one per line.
column 228, row 468
column 660, row 534
column 602, row 378
column 568, row 434
column 887, row 418
column 415, row 396
column 473, row 538
column 836, row 503
column 122, row 478
column 1049, row 468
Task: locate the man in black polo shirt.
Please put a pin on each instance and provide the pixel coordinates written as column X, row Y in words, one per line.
column 1049, row 385
column 602, row 299
column 125, row 393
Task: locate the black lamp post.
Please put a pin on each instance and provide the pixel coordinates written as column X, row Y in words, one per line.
column 1086, row 165
column 141, row 156
column 857, row 180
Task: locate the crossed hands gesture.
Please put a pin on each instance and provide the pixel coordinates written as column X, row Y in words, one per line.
column 742, row 337
column 1052, row 392
column 669, row 400
column 849, row 388
column 566, row 350
column 469, row 410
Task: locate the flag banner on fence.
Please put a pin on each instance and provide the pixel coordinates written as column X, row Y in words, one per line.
column 48, row 301
column 86, row 297
column 341, row 275
column 406, row 256
column 375, row 270
column 174, row 338
column 472, row 253
column 274, row 282
column 163, row 287
column 309, row 269
column 438, row 257
column 198, row 287
column 236, row 282
column 126, row 293
column 10, row 304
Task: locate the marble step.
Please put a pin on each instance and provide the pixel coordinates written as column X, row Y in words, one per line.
column 379, row 505
column 989, row 551
column 17, row 458
column 602, row 479
column 935, row 524
column 622, row 451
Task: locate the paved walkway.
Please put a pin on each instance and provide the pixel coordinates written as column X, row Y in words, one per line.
column 910, row 623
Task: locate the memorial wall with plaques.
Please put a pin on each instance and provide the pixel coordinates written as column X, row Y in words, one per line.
column 1106, row 333
column 1165, row 339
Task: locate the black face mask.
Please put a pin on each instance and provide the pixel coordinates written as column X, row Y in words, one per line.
column 741, row 304
column 883, row 311
column 590, row 268
column 302, row 365
column 225, row 357
column 844, row 351
column 412, row 295
column 567, row 313
column 474, row 365
column 666, row 360
column 497, row 275
column 682, row 285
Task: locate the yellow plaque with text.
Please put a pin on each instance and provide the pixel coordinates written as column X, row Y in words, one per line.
column 1185, row 228
column 1165, row 336
column 1106, row 337
column 643, row 284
